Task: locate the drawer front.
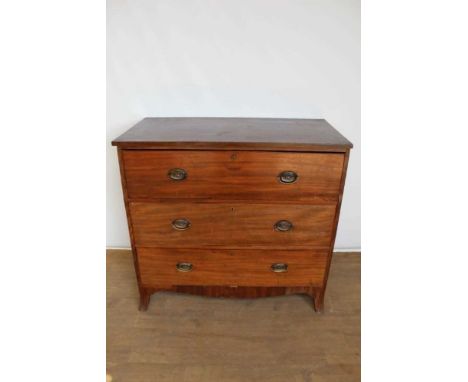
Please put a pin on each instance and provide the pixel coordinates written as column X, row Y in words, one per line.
column 232, row 225
column 231, row 267
column 231, row 174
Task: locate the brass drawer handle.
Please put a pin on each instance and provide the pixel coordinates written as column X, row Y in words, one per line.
column 283, row 225
column 181, row 224
column 184, row 267
column 287, row 177
column 279, row 267
column 177, row 174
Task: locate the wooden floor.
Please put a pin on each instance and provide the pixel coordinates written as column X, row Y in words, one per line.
column 184, row 338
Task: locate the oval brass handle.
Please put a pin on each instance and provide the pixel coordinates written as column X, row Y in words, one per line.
column 181, row 224
column 287, row 177
column 283, row 225
column 184, row 267
column 279, row 267
column 177, row 174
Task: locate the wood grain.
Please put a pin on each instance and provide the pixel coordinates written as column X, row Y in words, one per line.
column 144, row 296
column 320, row 297
column 231, row 267
column 233, row 225
column 243, row 175
column 232, row 198
column 277, row 134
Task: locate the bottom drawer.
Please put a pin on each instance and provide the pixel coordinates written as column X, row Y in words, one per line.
column 164, row 267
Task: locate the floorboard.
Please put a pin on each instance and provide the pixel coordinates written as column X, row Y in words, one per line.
column 184, row 338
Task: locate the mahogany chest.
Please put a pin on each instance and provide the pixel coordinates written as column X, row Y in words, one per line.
column 232, row 207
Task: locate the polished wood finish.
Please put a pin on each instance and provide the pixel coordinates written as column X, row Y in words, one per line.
column 274, row 134
column 184, row 337
column 231, row 267
column 233, row 225
column 320, row 296
column 223, row 200
column 244, row 175
column 144, row 296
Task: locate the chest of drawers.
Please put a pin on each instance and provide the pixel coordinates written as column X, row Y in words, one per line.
column 232, row 207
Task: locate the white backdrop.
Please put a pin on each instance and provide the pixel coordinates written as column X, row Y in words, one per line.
column 234, row 58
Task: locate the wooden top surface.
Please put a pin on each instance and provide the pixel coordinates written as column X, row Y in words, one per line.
column 234, row 133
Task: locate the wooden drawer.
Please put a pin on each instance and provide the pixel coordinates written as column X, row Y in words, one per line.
column 158, row 267
column 232, row 225
column 240, row 175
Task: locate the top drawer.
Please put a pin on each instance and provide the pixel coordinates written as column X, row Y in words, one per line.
column 251, row 175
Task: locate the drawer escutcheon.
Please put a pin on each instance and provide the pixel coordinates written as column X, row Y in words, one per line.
column 279, row 267
column 283, row 226
column 181, row 224
column 184, row 267
column 177, row 174
column 287, row 177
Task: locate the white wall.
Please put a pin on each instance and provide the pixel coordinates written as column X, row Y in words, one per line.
column 234, row 58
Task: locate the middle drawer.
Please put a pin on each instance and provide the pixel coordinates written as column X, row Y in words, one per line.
column 231, row 225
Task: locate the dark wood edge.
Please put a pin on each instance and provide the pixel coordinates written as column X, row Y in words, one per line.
column 195, row 248
column 335, row 223
column 244, row 146
column 291, row 248
column 240, row 289
column 315, row 292
column 315, row 201
column 123, row 179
